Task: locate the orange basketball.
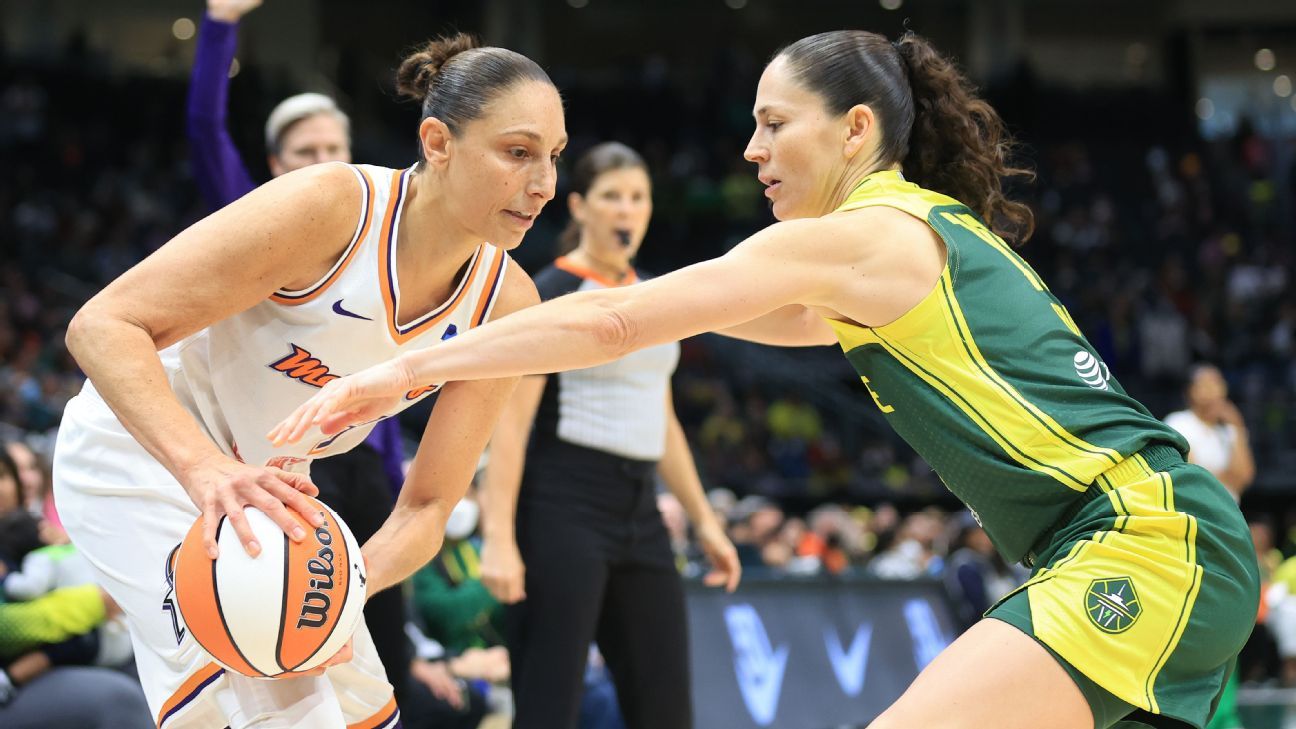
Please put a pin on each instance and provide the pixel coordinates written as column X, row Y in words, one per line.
column 289, row 609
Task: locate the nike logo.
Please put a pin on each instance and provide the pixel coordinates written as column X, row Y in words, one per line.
column 850, row 665
column 337, row 309
column 759, row 667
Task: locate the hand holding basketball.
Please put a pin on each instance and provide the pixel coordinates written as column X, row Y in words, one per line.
column 289, row 611
column 347, row 401
column 221, row 486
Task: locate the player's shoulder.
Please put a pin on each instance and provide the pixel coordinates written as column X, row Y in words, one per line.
column 328, row 187
column 517, row 291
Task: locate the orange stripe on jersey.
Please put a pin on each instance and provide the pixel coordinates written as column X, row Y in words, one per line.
column 386, row 271
column 384, row 715
column 295, row 298
column 197, row 681
column 465, row 284
column 570, row 266
column 490, row 290
column 385, row 236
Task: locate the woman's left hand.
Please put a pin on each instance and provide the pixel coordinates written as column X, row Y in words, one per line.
column 726, row 570
column 367, row 395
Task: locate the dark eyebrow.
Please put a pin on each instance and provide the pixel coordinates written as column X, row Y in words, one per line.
column 532, row 136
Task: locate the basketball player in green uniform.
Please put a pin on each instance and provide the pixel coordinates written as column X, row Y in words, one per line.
column 885, row 172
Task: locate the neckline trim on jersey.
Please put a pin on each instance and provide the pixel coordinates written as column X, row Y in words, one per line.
column 288, row 297
column 567, row 264
column 389, row 281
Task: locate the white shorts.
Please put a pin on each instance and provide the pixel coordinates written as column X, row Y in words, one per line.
column 126, row 513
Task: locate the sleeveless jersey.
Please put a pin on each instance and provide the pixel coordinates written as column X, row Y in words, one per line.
column 242, row 375
column 991, row 382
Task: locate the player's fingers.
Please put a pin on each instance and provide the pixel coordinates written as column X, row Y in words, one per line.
column 279, row 435
column 306, row 419
column 211, row 520
column 300, row 482
column 234, row 513
column 336, row 395
column 280, row 486
column 271, row 506
column 335, row 422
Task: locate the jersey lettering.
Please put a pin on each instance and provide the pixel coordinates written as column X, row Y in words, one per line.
column 300, row 365
column 876, row 399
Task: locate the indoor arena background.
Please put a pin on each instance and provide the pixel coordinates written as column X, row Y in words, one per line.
column 1163, row 134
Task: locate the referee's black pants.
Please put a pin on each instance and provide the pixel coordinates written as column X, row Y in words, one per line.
column 599, row 568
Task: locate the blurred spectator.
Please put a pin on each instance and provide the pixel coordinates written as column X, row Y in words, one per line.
column 976, row 576
column 1217, row 437
column 456, row 608
column 913, row 553
column 43, row 643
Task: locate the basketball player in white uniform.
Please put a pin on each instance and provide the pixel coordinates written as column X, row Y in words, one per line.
column 317, row 274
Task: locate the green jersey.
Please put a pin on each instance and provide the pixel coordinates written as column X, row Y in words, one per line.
column 989, row 379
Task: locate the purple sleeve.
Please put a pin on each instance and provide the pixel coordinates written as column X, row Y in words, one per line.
column 217, row 168
column 386, row 439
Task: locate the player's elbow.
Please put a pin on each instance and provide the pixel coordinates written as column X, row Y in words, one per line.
column 614, row 332
column 80, row 331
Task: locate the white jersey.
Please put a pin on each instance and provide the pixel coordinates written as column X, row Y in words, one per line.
column 242, row 375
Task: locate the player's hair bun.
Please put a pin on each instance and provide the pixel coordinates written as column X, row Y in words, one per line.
column 419, row 70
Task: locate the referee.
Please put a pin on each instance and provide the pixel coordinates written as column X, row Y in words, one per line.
column 590, row 559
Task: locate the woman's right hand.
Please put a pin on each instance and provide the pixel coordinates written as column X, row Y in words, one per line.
column 502, row 570
column 221, row 486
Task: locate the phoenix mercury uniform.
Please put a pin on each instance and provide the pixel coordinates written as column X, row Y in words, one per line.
column 238, row 378
column 1145, row 583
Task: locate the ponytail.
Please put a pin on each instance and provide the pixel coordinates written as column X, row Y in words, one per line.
column 958, row 145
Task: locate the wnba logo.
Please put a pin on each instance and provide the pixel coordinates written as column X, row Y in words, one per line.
column 316, row 603
column 1092, row 371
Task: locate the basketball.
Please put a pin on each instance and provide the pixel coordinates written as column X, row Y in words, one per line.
column 287, row 610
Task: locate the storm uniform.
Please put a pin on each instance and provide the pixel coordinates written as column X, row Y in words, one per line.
column 1145, row 582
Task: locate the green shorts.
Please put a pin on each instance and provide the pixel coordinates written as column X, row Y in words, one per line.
column 1146, row 594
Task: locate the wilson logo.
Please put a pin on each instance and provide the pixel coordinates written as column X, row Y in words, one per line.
column 301, row 365
column 316, row 603
column 1092, row 371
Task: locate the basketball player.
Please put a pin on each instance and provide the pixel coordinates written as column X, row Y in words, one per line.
column 885, row 171
column 591, row 559
column 360, row 485
column 320, row 272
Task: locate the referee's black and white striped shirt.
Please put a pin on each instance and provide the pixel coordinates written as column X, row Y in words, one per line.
column 618, row 407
